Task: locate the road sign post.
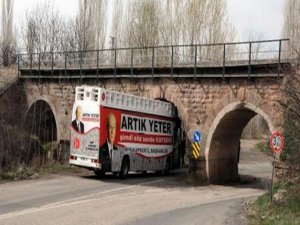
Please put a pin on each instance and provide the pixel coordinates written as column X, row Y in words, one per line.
column 196, row 144
column 276, row 144
column 195, row 152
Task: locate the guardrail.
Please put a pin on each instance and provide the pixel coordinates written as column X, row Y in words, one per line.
column 220, row 55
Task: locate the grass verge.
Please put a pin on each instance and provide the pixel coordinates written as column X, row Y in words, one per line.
column 264, row 147
column 32, row 173
column 284, row 210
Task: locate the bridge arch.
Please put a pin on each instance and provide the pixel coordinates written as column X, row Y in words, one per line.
column 40, row 121
column 223, row 139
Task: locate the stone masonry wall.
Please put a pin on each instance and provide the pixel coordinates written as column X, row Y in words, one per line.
column 198, row 102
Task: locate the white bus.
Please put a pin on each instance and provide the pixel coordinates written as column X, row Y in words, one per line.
column 118, row 132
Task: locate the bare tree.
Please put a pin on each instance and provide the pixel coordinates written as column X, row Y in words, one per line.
column 41, row 28
column 44, row 30
column 118, row 22
column 91, row 29
column 144, row 23
column 7, row 38
column 291, row 104
column 199, row 21
column 156, row 22
column 291, row 88
column 291, row 28
column 135, row 23
column 67, row 36
column 143, row 27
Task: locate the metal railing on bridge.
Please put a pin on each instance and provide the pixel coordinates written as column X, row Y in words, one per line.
column 218, row 59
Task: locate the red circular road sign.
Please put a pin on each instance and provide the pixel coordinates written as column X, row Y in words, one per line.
column 276, row 141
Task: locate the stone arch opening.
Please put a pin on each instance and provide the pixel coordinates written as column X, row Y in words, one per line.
column 223, row 140
column 40, row 122
column 180, row 138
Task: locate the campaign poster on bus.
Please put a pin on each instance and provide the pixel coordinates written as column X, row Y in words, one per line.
column 149, row 136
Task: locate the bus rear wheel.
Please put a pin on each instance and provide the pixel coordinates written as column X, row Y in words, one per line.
column 167, row 167
column 124, row 168
column 99, row 173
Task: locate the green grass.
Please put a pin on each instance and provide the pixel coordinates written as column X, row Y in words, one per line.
column 56, row 168
column 21, row 174
column 283, row 212
column 264, row 147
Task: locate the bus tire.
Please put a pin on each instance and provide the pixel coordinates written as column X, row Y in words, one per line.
column 99, row 173
column 159, row 172
column 124, row 168
column 167, row 166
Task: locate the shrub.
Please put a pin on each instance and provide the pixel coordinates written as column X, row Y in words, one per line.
column 18, row 149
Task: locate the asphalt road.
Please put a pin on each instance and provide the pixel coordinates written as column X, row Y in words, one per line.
column 141, row 199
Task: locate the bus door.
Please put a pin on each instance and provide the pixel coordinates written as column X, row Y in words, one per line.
column 116, row 160
column 85, row 135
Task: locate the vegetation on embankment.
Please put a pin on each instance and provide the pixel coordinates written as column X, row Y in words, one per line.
column 23, row 156
column 36, row 172
column 285, row 208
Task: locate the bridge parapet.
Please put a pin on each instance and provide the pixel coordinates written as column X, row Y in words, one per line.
column 248, row 59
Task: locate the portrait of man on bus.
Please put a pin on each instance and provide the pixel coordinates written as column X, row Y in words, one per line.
column 106, row 150
column 77, row 124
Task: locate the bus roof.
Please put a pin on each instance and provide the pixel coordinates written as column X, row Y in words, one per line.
column 124, row 101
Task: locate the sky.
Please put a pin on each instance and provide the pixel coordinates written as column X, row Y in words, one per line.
column 256, row 19
column 66, row 7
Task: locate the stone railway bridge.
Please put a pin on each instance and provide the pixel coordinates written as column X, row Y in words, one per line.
column 218, row 100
